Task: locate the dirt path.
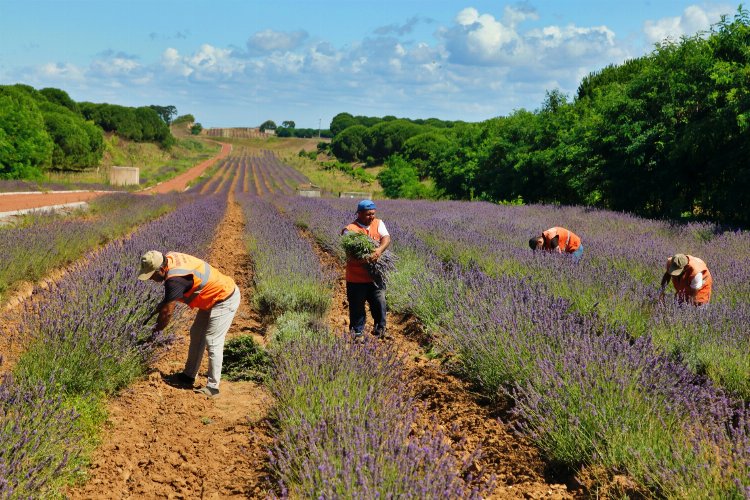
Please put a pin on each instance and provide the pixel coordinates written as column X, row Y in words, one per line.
column 448, row 400
column 24, row 201
column 181, row 182
column 164, row 442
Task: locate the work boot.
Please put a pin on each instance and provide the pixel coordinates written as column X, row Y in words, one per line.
column 207, row 391
column 380, row 333
column 179, row 380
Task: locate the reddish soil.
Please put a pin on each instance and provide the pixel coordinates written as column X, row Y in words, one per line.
column 165, row 442
column 11, row 202
column 181, row 182
column 449, row 403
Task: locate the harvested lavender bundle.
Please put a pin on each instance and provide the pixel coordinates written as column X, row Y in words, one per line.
column 360, row 246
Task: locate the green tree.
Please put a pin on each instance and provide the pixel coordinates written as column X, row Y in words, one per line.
column 349, row 145
column 60, row 97
column 267, row 125
column 341, row 122
column 25, row 146
column 288, row 124
column 388, row 137
column 423, row 149
column 196, row 129
column 165, row 112
column 399, row 179
column 188, row 118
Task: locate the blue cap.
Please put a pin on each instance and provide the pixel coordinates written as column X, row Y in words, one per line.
column 365, row 205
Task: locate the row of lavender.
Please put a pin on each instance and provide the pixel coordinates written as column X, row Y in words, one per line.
column 345, row 426
column 618, row 278
column 259, row 174
column 584, row 391
column 86, row 341
column 40, row 243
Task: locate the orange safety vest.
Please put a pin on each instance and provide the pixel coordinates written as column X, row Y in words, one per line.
column 681, row 283
column 356, row 272
column 209, row 285
column 568, row 241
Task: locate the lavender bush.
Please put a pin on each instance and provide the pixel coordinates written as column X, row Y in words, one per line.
column 346, row 428
column 38, row 439
column 287, row 273
column 42, row 242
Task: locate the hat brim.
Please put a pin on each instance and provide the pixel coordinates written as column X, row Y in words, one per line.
column 675, row 271
column 145, row 276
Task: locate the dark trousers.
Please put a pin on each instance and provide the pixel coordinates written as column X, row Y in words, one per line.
column 359, row 293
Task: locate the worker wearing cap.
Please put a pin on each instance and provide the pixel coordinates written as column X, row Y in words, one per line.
column 690, row 277
column 360, row 286
column 560, row 240
column 194, row 282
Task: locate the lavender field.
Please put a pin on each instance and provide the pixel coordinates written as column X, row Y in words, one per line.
column 596, row 372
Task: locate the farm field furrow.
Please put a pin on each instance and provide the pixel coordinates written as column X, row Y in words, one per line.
column 321, row 446
column 85, row 341
column 166, row 441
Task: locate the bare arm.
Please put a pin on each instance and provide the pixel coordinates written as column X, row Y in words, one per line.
column 385, row 242
column 664, row 281
column 165, row 315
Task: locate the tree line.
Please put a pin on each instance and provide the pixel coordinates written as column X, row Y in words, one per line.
column 663, row 135
column 47, row 130
column 288, row 128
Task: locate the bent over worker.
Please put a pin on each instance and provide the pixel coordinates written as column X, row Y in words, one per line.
column 360, row 286
column 194, row 282
column 690, row 277
column 560, row 240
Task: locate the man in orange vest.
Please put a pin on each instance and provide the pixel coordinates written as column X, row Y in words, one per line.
column 360, row 287
column 690, row 277
column 560, row 240
column 194, row 282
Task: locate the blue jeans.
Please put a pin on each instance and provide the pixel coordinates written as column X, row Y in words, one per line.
column 359, row 293
column 578, row 254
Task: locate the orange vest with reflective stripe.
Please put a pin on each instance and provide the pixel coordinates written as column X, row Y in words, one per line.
column 209, row 285
column 355, row 271
column 681, row 283
column 567, row 242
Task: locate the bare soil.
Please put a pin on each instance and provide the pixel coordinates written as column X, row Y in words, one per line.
column 181, row 182
column 11, row 202
column 165, row 442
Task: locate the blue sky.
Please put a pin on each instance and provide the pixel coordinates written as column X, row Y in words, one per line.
column 235, row 63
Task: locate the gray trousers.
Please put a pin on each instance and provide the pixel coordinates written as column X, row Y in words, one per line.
column 208, row 333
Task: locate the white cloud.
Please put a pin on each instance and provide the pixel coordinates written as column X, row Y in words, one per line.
column 208, row 63
column 693, row 20
column 173, row 63
column 115, row 67
column 481, row 39
column 267, row 41
column 61, row 72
